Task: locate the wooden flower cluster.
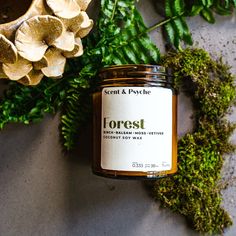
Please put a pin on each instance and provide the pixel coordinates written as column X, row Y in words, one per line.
column 38, row 43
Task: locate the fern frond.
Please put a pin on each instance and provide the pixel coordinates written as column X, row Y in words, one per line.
column 176, row 27
column 22, row 104
column 75, row 113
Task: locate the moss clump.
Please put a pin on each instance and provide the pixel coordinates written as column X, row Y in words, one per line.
column 194, row 191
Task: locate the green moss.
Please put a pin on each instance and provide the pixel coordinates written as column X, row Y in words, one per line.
column 194, row 191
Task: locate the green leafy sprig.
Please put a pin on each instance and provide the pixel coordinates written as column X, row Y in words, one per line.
column 23, row 104
column 176, row 11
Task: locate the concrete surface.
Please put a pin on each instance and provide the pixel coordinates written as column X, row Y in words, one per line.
column 45, row 192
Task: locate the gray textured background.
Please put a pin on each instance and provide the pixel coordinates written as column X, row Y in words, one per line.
column 46, row 192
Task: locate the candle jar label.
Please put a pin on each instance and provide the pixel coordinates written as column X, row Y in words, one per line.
column 136, row 129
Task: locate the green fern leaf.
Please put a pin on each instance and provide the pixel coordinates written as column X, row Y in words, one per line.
column 152, row 52
column 130, row 55
column 178, row 26
column 178, row 7
column 76, row 112
column 170, row 32
column 196, row 9
column 29, row 104
column 118, row 58
column 208, row 15
column 168, row 8
column 207, row 3
column 140, row 52
column 177, row 30
column 186, row 35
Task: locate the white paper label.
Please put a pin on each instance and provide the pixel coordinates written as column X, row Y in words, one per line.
column 136, row 132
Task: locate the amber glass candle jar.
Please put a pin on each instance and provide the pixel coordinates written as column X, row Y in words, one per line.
column 135, row 123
